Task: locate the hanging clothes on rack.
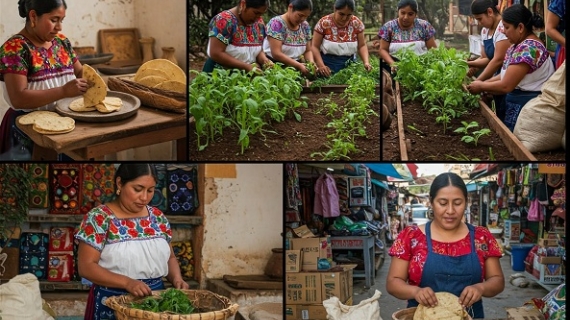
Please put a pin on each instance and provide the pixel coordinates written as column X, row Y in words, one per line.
column 326, row 197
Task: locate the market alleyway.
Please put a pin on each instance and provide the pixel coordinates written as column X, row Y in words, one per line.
column 512, row 296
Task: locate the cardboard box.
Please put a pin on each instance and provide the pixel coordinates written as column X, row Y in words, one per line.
column 313, row 249
column 549, row 260
column 547, row 242
column 338, row 284
column 547, row 273
column 314, row 287
column 308, row 311
column 293, row 260
column 303, row 288
column 524, row 313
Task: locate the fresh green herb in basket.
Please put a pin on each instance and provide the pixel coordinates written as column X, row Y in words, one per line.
column 171, row 300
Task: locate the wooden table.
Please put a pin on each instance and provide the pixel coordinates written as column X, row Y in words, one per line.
column 366, row 245
column 92, row 141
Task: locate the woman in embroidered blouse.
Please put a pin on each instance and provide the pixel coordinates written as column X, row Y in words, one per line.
column 236, row 37
column 37, row 66
column 555, row 26
column 289, row 36
column 125, row 244
column 405, row 31
column 526, row 67
column 337, row 38
column 446, row 254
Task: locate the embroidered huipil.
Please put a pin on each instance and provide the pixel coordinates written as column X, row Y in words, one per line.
column 44, row 68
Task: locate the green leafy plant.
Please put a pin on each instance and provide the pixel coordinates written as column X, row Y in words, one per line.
column 15, row 184
column 466, row 127
column 171, row 300
column 491, row 155
column 353, row 68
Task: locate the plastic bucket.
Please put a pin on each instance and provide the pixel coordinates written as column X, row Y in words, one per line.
column 518, row 255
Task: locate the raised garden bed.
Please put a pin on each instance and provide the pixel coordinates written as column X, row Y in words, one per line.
column 427, row 142
column 292, row 140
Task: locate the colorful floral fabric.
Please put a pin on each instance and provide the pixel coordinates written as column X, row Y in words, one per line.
column 277, row 29
column 100, row 227
column 411, row 245
column 243, row 43
column 414, row 38
column 392, row 33
column 224, row 26
column 534, row 54
column 20, row 56
column 331, row 32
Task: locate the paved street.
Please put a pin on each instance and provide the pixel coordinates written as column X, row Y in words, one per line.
column 494, row 308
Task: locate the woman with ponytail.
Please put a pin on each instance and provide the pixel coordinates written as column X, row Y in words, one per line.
column 526, row 67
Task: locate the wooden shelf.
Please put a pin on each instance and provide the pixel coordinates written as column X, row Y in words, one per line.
column 76, row 218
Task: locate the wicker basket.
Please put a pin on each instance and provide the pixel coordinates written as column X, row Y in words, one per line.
column 210, row 306
column 151, row 97
column 408, row 314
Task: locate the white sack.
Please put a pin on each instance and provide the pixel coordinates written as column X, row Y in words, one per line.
column 542, row 120
column 20, row 298
column 368, row 309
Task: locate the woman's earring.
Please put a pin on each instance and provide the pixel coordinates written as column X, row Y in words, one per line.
column 118, row 192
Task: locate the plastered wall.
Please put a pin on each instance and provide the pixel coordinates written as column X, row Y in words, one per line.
column 163, row 20
column 243, row 218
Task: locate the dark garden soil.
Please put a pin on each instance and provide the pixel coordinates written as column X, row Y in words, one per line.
column 293, row 140
column 433, row 145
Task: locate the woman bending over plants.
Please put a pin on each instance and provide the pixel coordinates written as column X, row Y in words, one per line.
column 236, row 37
column 337, row 38
column 526, row 67
column 289, row 38
column 405, row 31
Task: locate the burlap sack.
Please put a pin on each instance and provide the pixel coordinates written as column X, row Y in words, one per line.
column 542, row 122
column 20, row 298
column 368, row 309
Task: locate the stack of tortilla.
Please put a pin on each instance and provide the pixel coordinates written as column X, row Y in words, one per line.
column 48, row 122
column 161, row 74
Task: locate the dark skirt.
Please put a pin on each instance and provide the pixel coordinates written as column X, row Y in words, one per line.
column 14, row 144
column 336, row 63
column 514, row 102
column 96, row 308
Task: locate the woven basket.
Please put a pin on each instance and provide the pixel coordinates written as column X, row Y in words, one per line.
column 408, row 314
column 210, row 306
column 151, row 97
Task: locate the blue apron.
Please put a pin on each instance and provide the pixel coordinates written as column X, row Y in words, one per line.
column 336, row 63
column 514, row 102
column 452, row 274
column 102, row 312
column 489, row 47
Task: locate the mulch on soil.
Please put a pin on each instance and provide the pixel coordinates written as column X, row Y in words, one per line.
column 433, row 145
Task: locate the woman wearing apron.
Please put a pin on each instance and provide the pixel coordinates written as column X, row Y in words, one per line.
column 555, row 25
column 405, row 31
column 446, row 254
column 236, row 37
column 495, row 45
column 337, row 38
column 526, row 67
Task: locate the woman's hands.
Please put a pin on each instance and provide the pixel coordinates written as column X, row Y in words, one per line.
column 368, row 66
column 324, row 71
column 470, row 295
column 426, row 296
column 475, row 87
column 138, row 288
column 75, row 87
column 180, row 284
